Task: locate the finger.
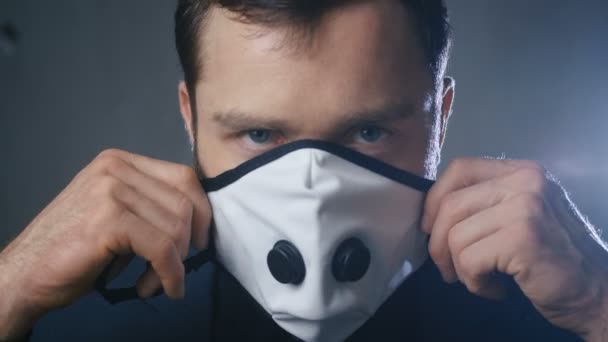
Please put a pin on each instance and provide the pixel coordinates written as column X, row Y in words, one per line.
column 462, row 204
column 462, row 173
column 509, row 245
column 148, row 283
column 465, row 233
column 184, row 179
column 177, row 223
column 478, row 266
column 138, row 236
column 171, row 199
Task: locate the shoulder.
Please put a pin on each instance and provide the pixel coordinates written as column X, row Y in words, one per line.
column 158, row 319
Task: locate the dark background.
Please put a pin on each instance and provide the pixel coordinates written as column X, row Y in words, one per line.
column 91, row 74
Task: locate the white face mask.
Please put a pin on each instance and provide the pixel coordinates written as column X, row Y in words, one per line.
column 318, row 234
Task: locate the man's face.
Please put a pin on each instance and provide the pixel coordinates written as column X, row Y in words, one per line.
column 360, row 80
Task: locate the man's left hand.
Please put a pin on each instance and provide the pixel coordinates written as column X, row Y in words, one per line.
column 488, row 217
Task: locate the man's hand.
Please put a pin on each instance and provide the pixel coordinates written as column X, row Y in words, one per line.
column 503, row 216
column 119, row 205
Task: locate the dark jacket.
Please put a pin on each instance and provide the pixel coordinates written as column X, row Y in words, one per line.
column 217, row 308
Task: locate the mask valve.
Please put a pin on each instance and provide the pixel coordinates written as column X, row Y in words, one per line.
column 286, row 264
column 351, row 261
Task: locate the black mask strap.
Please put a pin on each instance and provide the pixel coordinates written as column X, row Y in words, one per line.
column 118, row 295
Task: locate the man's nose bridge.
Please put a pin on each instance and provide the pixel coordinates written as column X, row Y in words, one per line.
column 314, row 163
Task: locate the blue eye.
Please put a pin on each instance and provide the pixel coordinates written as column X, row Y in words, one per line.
column 371, row 134
column 259, row 136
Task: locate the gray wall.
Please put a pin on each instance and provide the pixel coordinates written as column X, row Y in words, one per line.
column 92, row 74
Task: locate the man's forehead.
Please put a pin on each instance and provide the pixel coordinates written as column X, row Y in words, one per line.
column 364, row 61
column 371, row 31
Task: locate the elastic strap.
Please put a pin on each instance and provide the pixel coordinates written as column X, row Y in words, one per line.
column 118, row 295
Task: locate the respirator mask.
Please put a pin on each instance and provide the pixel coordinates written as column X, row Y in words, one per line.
column 318, row 234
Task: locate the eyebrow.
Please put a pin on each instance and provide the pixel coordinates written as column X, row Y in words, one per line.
column 238, row 120
column 395, row 112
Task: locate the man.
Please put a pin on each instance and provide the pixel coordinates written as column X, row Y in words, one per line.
column 511, row 258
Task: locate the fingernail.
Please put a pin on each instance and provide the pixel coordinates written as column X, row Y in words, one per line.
column 449, row 278
column 145, row 290
column 147, row 285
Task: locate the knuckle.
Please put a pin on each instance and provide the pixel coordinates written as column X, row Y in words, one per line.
column 184, row 208
column 534, row 178
column 531, row 206
column 449, row 204
column 434, row 252
column 448, row 200
column 114, row 165
column 106, row 186
column 110, row 153
column 108, row 161
column 458, row 164
column 528, row 236
column 186, row 175
column 182, row 218
column 107, row 213
column 166, row 247
column 454, row 240
column 112, row 208
column 533, row 165
column 179, row 229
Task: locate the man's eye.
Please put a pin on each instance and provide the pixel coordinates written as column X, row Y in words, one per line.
column 260, row 136
column 370, row 134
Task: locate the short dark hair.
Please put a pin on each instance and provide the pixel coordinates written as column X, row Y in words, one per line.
column 431, row 17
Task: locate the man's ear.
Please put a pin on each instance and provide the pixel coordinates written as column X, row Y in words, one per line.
column 447, row 99
column 186, row 110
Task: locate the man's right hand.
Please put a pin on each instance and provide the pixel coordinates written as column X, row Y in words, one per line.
column 119, row 205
